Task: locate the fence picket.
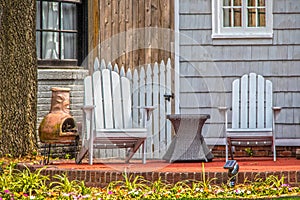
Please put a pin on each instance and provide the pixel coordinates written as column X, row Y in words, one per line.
column 156, row 116
column 135, row 98
column 168, row 103
column 103, row 64
column 149, row 102
column 162, row 121
column 142, row 99
column 116, row 69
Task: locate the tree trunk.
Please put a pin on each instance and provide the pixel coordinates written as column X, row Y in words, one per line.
column 18, row 78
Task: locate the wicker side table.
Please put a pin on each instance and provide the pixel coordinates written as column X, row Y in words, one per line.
column 188, row 143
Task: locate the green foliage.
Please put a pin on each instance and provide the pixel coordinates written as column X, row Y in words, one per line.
column 30, row 182
column 20, row 184
column 249, row 151
column 16, row 184
column 7, row 177
column 64, row 185
column 67, row 156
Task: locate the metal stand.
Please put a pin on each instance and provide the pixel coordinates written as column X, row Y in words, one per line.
column 47, row 155
column 46, row 160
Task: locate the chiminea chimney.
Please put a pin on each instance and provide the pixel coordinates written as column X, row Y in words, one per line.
column 58, row 126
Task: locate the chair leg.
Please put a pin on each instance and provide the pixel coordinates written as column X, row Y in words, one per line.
column 129, row 154
column 91, row 145
column 274, row 151
column 144, row 153
column 226, row 150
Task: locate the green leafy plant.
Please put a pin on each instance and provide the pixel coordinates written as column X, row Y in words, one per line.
column 64, row 185
column 34, row 153
column 30, row 182
column 67, row 156
column 7, row 176
column 249, row 151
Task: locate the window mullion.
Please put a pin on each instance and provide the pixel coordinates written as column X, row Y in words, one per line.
column 41, row 27
column 256, row 13
column 60, row 28
column 244, row 14
column 232, row 13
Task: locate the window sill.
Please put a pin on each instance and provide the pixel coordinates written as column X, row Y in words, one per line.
column 57, row 63
column 242, row 35
column 241, row 39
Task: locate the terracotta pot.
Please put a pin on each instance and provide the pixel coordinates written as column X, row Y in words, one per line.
column 58, row 126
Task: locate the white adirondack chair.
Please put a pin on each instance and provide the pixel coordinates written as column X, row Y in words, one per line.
column 253, row 114
column 107, row 113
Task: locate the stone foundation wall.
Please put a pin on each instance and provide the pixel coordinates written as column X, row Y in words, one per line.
column 257, row 151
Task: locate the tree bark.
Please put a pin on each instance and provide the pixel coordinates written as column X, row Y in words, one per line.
column 18, row 78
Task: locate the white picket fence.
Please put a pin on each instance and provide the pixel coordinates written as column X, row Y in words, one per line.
column 150, row 84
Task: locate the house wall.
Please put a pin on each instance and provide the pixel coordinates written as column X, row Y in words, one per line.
column 208, row 67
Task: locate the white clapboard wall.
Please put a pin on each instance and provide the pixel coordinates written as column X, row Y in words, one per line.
column 149, row 84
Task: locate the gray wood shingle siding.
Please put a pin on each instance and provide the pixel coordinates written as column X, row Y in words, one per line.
column 207, row 68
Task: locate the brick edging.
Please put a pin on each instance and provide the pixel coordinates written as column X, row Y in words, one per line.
column 94, row 178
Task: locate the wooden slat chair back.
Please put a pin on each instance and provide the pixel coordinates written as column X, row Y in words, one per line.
column 108, row 119
column 252, row 114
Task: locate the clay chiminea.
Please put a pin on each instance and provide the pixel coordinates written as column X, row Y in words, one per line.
column 58, row 126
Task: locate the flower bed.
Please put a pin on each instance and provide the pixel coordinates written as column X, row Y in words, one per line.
column 16, row 184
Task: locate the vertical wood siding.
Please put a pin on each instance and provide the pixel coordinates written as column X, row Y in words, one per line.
column 207, row 69
column 117, row 34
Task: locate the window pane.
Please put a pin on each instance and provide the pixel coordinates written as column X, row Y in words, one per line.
column 237, row 17
column 38, row 15
column 261, row 17
column 226, row 17
column 69, row 44
column 50, row 15
column 226, row 2
column 50, row 45
column 38, row 44
column 251, row 2
column 68, row 16
column 261, row 3
column 237, row 2
column 251, row 17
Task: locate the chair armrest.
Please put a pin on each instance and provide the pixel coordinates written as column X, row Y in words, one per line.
column 276, row 109
column 148, row 111
column 224, row 108
column 88, row 107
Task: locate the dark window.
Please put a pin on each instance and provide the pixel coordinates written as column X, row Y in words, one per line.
column 59, row 33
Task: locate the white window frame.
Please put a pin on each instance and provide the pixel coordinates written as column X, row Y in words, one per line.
column 218, row 31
